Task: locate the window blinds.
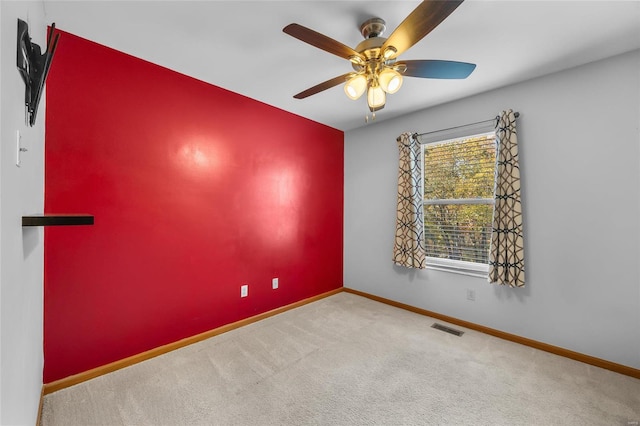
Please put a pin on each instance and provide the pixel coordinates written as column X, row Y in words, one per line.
column 458, row 197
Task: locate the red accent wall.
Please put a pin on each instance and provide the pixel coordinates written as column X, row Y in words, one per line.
column 195, row 190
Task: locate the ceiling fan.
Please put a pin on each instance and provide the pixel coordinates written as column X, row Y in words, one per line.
column 376, row 68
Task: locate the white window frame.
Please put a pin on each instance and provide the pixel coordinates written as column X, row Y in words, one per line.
column 480, row 270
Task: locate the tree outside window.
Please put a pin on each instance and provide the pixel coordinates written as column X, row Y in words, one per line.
column 458, row 198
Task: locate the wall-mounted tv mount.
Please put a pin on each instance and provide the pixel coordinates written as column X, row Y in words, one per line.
column 33, row 66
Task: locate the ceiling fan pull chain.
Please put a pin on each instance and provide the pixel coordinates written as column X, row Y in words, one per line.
column 373, row 117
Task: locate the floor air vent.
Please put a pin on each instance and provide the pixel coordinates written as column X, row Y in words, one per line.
column 447, row 329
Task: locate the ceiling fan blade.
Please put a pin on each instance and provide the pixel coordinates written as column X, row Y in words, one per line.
column 320, row 41
column 323, row 86
column 428, row 15
column 437, row 69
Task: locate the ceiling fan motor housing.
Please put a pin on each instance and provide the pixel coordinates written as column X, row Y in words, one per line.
column 370, row 47
column 371, row 50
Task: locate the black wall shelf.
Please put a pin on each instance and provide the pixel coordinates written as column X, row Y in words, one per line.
column 57, row 220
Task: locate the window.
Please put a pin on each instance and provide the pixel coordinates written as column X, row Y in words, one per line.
column 458, row 202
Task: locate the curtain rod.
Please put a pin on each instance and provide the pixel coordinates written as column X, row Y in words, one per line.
column 517, row 114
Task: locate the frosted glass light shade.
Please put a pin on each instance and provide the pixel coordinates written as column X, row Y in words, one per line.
column 376, row 98
column 355, row 87
column 390, row 80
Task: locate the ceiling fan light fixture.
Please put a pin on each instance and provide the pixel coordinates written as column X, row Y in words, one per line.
column 401, row 68
column 357, row 60
column 390, row 80
column 389, row 53
column 355, row 87
column 374, row 60
column 376, row 97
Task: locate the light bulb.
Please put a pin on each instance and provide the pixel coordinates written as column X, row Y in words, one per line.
column 376, row 97
column 390, row 80
column 356, row 86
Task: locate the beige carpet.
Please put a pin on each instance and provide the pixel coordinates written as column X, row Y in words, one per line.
column 347, row 360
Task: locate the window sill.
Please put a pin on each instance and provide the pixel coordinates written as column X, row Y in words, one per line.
column 471, row 269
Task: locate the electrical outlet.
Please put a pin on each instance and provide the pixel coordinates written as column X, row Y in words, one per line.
column 471, row 294
column 244, row 290
column 274, row 283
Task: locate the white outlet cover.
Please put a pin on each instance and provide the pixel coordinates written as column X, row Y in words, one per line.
column 18, row 148
column 274, row 283
column 471, row 294
column 244, row 290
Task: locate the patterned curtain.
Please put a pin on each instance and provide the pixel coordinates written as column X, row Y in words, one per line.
column 506, row 256
column 408, row 249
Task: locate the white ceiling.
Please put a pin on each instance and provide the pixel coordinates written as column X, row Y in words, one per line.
column 240, row 46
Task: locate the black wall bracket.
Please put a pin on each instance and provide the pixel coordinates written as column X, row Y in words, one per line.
column 33, row 66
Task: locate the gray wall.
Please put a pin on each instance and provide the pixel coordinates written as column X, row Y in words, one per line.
column 580, row 164
column 21, row 249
